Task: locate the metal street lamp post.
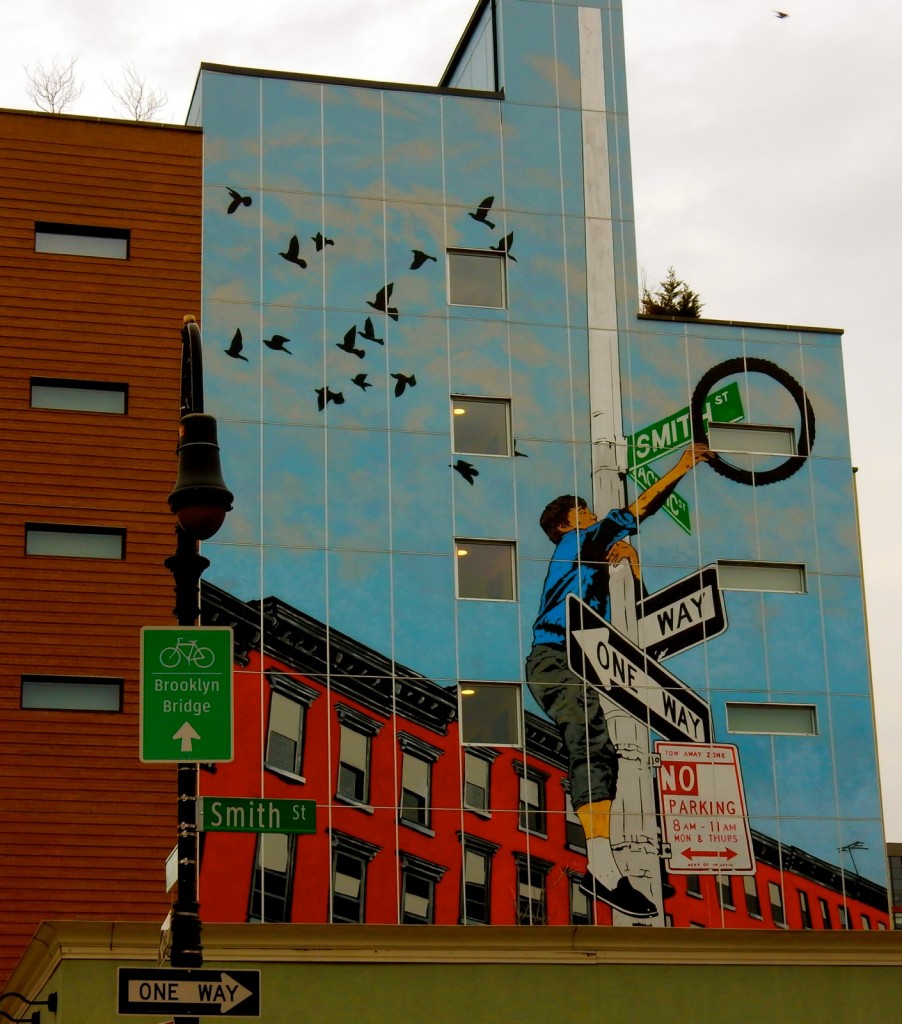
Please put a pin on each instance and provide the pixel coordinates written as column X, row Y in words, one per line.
column 200, row 501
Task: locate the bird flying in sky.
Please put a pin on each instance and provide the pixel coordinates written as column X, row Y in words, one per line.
column 482, row 212
column 467, row 470
column 277, row 342
column 325, row 395
column 380, row 302
column 237, row 344
column 347, row 344
column 237, row 200
column 292, row 253
column 419, row 258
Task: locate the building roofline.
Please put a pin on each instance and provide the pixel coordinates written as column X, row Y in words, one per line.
column 464, row 40
column 118, row 121
column 359, row 83
column 740, row 323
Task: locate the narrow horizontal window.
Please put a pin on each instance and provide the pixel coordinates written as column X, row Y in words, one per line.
column 71, row 693
column 752, row 438
column 81, row 240
column 78, row 395
column 490, row 714
column 775, row 577
column 74, row 541
column 481, row 425
column 773, row 719
column 485, row 570
column 476, row 278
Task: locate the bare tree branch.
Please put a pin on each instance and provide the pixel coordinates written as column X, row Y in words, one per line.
column 56, row 88
column 136, row 97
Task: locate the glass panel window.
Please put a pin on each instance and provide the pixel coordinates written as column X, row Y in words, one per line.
column 485, row 570
column 353, row 765
column 476, row 887
column 71, row 693
column 531, row 890
column 805, row 909
column 776, row 903
column 844, row 919
column 694, row 886
column 751, row 438
column 348, row 887
column 418, row 881
column 481, row 426
column 272, row 878
column 286, row 730
column 415, row 782
column 771, row 577
column 532, row 801
column 777, row 719
column 74, row 541
column 81, row 240
column 490, row 713
column 476, row 278
column 576, row 837
column 826, row 917
column 78, row 395
column 580, row 911
column 725, row 892
column 752, row 900
column 477, row 771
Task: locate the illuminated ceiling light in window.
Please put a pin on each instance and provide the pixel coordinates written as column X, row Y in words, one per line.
column 461, row 552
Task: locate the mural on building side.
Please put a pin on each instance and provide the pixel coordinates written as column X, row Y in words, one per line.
column 661, row 717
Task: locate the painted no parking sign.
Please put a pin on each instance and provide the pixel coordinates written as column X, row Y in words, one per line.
column 703, row 812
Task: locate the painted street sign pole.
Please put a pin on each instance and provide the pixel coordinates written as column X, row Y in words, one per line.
column 703, row 810
column 186, row 694
column 144, row 991
column 611, row 662
column 251, row 814
column 683, row 614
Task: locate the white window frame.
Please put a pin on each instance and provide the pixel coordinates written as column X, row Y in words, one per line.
column 71, row 693
column 735, row 710
column 772, row 577
column 466, row 547
column 65, row 395
column 458, row 415
column 454, row 255
column 58, row 540
column 82, row 240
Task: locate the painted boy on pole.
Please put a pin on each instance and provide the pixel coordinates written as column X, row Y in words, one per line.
column 585, row 549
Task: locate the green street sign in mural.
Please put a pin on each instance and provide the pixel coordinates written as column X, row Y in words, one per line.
column 671, row 433
column 674, row 431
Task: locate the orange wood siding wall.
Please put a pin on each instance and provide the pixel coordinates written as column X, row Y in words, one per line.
column 86, row 826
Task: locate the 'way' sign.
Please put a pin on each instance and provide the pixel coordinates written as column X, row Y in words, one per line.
column 608, row 660
column 191, row 993
column 682, row 615
column 703, row 809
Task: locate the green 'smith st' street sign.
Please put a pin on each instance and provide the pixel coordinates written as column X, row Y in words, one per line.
column 675, row 431
column 256, row 814
column 671, row 433
column 186, row 693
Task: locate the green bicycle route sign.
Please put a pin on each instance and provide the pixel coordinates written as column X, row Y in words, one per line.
column 186, row 693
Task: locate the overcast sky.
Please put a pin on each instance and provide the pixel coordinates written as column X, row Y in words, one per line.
column 767, row 156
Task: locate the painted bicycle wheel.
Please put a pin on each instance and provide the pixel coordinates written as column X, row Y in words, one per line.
column 752, row 364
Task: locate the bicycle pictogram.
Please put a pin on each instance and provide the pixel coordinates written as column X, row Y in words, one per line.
column 187, row 651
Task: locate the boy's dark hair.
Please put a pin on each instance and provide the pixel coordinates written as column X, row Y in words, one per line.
column 556, row 514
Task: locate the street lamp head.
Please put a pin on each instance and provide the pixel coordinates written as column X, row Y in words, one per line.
column 200, row 498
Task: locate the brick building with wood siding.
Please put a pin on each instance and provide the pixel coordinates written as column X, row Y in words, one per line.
column 100, row 259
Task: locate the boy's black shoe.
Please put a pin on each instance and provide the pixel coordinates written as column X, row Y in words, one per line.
column 622, row 897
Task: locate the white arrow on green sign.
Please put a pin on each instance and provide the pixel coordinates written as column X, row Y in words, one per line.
column 186, row 693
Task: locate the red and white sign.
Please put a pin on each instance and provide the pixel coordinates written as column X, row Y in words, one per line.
column 703, row 809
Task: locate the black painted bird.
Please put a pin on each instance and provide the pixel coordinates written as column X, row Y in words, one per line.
column 482, row 212
column 467, row 470
column 277, row 342
column 369, row 332
column 348, row 344
column 419, row 258
column 237, row 200
column 380, row 303
column 292, row 253
column 403, row 383
column 234, row 349
column 522, row 455
column 504, row 246
column 325, row 395
column 361, row 381
column 320, row 241
column 780, row 14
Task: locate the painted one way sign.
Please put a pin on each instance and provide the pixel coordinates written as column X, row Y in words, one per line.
column 683, row 614
column 185, row 992
column 608, row 660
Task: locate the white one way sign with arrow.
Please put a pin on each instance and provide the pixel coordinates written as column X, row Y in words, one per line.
column 185, row 992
